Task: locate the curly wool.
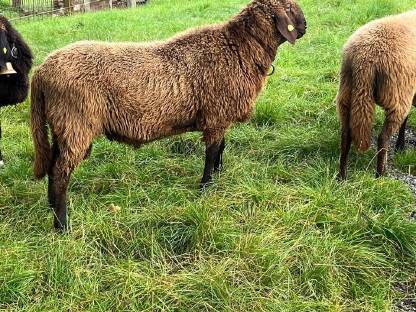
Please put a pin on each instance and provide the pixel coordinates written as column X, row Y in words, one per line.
column 202, row 80
column 379, row 66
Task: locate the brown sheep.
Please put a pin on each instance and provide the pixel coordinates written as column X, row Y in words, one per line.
column 379, row 66
column 202, row 80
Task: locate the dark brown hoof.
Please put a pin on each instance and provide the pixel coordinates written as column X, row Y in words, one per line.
column 399, row 147
column 379, row 174
column 341, row 177
column 204, row 185
column 60, row 228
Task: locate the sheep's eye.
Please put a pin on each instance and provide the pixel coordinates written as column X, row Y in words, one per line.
column 289, row 8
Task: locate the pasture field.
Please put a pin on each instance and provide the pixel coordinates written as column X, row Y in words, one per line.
column 275, row 232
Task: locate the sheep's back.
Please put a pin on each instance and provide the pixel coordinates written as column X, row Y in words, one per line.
column 121, row 68
column 131, row 83
column 385, row 44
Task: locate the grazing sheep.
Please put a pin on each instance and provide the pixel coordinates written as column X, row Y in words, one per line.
column 13, row 50
column 379, row 66
column 201, row 80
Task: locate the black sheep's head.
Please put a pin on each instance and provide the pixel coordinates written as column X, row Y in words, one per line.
column 7, row 52
column 288, row 17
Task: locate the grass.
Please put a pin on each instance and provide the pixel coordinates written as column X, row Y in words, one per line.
column 276, row 232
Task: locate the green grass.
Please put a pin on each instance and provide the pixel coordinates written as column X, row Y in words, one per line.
column 406, row 161
column 276, row 232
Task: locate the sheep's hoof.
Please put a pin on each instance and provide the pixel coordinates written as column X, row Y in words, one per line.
column 341, row 177
column 380, row 174
column 1, row 164
column 61, row 228
column 204, row 185
column 399, row 147
column 217, row 169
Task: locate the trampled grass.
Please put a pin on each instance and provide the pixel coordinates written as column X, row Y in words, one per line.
column 275, row 232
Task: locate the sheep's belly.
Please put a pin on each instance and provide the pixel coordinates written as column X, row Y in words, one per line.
column 140, row 135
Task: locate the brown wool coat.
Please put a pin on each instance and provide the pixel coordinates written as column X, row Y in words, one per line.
column 379, row 66
column 204, row 80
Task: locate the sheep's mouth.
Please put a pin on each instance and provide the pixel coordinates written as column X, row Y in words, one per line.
column 6, row 53
column 301, row 30
column 7, row 69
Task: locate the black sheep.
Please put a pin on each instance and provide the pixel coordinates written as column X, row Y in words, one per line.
column 14, row 51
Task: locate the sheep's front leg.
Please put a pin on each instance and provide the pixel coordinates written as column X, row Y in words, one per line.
column 219, row 159
column 211, row 156
column 401, row 139
column 215, row 144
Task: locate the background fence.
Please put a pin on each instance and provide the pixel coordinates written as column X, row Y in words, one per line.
column 28, row 7
column 31, row 8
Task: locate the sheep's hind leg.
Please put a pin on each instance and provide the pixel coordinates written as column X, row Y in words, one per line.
column 66, row 162
column 401, row 137
column 219, row 158
column 345, row 149
column 55, row 155
column 390, row 126
column 58, row 185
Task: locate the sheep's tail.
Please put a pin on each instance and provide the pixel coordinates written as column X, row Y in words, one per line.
column 362, row 107
column 39, row 130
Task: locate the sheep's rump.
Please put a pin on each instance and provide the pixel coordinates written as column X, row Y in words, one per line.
column 386, row 48
column 379, row 66
column 139, row 92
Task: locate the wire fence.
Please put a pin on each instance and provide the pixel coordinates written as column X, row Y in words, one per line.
column 32, row 7
column 24, row 9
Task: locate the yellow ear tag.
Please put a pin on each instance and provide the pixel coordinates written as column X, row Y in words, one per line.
column 290, row 27
column 4, row 50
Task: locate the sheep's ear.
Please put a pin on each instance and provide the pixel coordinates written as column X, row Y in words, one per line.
column 286, row 27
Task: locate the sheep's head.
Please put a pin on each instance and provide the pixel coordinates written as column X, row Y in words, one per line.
column 289, row 18
column 7, row 52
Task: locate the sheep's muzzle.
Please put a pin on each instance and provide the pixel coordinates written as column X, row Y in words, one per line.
column 7, row 69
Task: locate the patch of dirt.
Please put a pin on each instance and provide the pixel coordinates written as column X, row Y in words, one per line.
column 396, row 173
column 408, row 304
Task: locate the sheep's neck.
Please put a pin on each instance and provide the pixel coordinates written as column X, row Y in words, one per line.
column 254, row 33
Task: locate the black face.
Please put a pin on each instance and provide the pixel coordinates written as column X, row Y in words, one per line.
column 5, row 49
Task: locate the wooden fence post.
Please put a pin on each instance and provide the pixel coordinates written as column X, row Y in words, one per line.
column 87, row 5
column 68, row 6
column 16, row 3
column 131, row 3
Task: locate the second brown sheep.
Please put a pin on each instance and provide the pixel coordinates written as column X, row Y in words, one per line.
column 379, row 66
column 202, row 80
